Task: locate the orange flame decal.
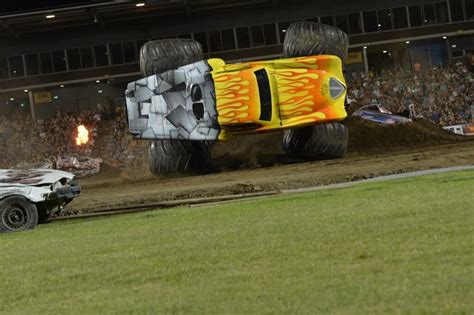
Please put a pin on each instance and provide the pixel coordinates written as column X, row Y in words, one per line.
column 297, row 91
column 234, row 97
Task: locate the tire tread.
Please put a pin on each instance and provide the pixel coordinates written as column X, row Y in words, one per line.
column 309, row 38
column 167, row 54
column 179, row 156
column 320, row 142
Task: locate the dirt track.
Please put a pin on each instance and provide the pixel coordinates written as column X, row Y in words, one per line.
column 257, row 164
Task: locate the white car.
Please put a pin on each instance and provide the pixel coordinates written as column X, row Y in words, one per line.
column 28, row 197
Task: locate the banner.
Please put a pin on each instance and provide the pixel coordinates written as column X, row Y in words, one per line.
column 42, row 97
column 355, row 57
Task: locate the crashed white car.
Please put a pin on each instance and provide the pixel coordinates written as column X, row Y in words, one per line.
column 29, row 197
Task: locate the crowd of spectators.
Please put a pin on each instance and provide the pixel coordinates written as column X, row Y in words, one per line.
column 23, row 140
column 444, row 95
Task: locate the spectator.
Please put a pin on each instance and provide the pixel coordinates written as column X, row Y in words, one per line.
column 31, row 141
column 443, row 95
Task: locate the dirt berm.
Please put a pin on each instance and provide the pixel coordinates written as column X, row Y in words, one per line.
column 257, row 163
column 365, row 137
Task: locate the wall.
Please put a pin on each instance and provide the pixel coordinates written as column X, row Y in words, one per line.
column 168, row 26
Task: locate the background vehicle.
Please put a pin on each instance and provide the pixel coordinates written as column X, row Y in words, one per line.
column 380, row 114
column 184, row 102
column 28, row 197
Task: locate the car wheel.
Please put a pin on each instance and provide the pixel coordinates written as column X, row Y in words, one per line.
column 168, row 54
column 310, row 39
column 320, row 142
column 168, row 157
column 17, row 214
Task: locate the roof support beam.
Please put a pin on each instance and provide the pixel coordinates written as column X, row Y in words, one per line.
column 187, row 8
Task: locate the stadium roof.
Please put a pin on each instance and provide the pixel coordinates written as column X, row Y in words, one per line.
column 33, row 16
column 29, row 6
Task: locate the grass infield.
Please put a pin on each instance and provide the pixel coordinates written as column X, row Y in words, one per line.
column 404, row 246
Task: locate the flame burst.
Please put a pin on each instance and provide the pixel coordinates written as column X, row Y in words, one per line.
column 82, row 135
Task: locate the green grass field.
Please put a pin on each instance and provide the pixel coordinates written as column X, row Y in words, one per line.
column 403, row 246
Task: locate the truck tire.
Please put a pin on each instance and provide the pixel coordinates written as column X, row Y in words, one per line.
column 167, row 157
column 310, row 39
column 17, row 214
column 320, row 142
column 168, row 54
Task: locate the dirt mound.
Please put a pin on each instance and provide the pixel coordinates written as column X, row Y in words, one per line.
column 263, row 150
column 366, row 136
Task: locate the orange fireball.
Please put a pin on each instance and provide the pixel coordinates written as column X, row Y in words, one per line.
column 82, row 135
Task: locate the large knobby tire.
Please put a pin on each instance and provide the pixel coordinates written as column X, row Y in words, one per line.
column 167, row 157
column 320, row 142
column 310, row 39
column 168, row 54
column 17, row 214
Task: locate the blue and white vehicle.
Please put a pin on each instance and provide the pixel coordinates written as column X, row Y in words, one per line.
column 380, row 114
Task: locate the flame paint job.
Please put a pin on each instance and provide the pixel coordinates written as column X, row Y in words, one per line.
column 299, row 89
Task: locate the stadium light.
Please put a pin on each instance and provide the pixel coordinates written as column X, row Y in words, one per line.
column 140, row 4
column 50, row 16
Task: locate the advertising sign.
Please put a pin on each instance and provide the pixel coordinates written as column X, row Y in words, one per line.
column 355, row 57
column 42, row 97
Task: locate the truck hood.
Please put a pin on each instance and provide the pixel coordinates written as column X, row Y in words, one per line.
column 32, row 177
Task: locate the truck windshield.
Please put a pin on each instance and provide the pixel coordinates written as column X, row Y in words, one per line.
column 265, row 95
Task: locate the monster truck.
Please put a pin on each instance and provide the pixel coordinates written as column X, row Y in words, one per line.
column 29, row 197
column 185, row 103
